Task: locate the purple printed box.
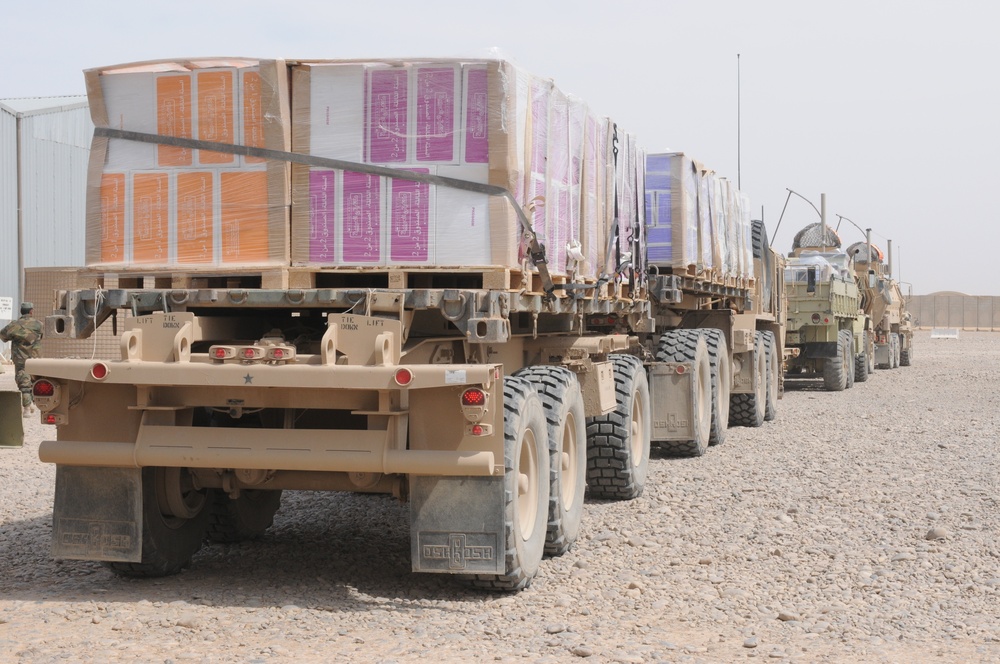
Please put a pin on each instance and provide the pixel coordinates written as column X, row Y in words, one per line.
column 477, row 120
column 409, row 221
column 388, row 127
column 672, row 213
column 476, row 116
column 322, row 220
column 437, row 98
column 362, row 219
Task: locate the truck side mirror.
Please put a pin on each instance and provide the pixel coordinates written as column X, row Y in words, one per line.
column 871, row 279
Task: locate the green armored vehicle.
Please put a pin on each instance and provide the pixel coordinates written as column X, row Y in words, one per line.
column 826, row 322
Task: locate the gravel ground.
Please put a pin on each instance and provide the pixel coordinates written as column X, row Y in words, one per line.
column 858, row 527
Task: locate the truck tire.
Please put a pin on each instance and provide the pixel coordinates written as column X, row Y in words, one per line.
column 773, row 376
column 693, row 346
column 835, row 369
column 168, row 540
column 761, row 250
column 906, row 357
column 748, row 410
column 244, row 518
column 849, row 337
column 861, row 361
column 618, row 443
column 526, row 491
column 562, row 399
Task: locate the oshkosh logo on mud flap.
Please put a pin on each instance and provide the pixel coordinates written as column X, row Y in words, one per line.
column 458, row 552
column 94, row 537
column 673, row 423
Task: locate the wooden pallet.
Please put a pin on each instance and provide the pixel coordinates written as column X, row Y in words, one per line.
column 305, row 277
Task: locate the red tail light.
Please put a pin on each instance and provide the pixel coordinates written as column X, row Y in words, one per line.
column 220, row 353
column 473, row 397
column 99, row 371
column 43, row 388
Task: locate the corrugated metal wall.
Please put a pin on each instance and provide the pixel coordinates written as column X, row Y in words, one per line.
column 956, row 310
column 8, row 207
column 55, row 147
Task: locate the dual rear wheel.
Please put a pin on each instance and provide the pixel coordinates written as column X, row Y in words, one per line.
column 177, row 517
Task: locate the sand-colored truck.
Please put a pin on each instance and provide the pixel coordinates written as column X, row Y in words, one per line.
column 826, row 322
column 491, row 396
column 883, row 301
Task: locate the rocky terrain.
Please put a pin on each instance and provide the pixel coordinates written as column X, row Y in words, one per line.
column 858, row 527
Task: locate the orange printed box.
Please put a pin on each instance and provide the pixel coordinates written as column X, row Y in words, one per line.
column 112, row 217
column 150, row 218
column 195, row 218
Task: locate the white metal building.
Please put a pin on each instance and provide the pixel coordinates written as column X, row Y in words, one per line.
column 44, row 148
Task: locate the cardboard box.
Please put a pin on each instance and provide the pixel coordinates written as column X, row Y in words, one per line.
column 695, row 218
column 673, row 223
column 156, row 205
column 481, row 121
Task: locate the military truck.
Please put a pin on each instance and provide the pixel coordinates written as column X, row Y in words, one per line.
column 825, row 320
column 489, row 398
column 884, row 303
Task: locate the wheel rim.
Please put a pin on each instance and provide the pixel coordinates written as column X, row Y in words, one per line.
column 724, row 387
column 705, row 402
column 176, row 497
column 638, row 429
column 527, row 486
column 761, row 376
column 569, row 463
column 772, row 375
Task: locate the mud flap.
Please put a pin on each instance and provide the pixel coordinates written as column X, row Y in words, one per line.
column 11, row 428
column 98, row 514
column 457, row 524
column 672, row 395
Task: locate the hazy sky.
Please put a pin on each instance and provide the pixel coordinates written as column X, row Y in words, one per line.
column 890, row 107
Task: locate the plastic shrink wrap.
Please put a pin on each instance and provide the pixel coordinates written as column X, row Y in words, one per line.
column 696, row 221
column 483, row 121
column 151, row 205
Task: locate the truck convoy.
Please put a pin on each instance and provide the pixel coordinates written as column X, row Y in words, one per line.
column 488, row 303
column 846, row 315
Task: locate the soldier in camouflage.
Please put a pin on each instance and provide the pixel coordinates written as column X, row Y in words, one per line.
column 25, row 337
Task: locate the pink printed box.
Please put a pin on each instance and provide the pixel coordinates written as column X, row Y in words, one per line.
column 429, row 117
column 480, row 120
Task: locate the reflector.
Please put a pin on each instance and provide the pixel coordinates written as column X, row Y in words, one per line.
column 403, row 376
